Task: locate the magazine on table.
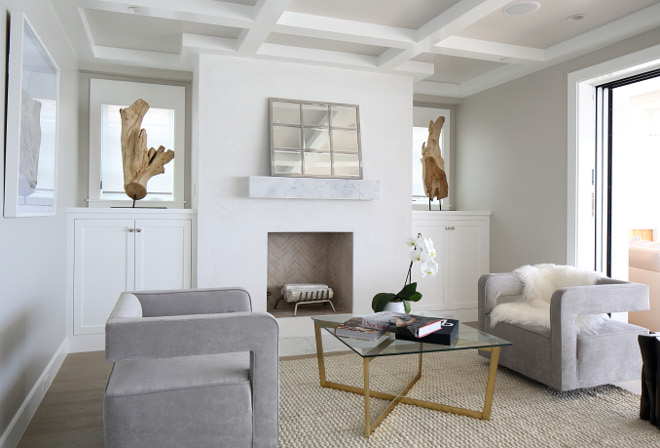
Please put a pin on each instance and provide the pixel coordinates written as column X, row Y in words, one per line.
column 353, row 328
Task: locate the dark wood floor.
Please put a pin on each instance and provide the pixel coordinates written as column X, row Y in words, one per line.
column 71, row 413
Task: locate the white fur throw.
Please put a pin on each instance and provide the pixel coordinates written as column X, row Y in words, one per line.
column 540, row 282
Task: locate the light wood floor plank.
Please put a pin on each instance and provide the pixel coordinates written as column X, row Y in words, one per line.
column 71, row 413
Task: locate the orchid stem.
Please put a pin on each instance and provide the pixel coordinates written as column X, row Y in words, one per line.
column 409, row 276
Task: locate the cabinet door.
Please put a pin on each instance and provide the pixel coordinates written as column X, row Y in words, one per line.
column 465, row 260
column 163, row 254
column 103, row 268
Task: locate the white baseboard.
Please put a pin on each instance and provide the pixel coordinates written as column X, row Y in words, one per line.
column 19, row 423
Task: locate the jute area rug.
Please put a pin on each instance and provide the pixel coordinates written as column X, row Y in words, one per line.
column 524, row 413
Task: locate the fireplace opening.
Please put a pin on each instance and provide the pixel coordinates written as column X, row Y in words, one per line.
column 313, row 262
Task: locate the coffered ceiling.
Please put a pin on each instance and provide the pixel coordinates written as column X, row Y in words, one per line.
column 451, row 48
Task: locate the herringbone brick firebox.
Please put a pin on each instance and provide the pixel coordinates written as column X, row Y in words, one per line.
column 311, row 257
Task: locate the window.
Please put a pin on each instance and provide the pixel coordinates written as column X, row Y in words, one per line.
column 315, row 139
column 421, row 118
column 165, row 125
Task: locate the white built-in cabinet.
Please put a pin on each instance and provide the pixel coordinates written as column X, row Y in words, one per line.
column 462, row 242
column 124, row 250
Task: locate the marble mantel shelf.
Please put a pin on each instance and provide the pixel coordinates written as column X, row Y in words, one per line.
column 309, row 188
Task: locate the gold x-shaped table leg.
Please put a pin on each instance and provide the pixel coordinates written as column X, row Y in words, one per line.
column 366, row 391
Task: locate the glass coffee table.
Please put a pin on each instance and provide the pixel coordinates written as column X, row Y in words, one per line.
column 467, row 338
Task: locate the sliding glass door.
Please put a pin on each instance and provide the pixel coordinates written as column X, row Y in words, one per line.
column 626, row 178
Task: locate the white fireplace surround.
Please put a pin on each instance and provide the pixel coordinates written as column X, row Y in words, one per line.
column 309, row 188
column 233, row 140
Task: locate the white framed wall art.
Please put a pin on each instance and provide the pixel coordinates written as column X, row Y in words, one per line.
column 32, row 121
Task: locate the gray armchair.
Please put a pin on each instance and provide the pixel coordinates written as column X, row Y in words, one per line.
column 193, row 368
column 561, row 357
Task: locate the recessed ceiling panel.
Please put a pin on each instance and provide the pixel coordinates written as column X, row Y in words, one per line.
column 137, row 32
column 548, row 26
column 403, row 14
column 324, row 44
column 455, row 70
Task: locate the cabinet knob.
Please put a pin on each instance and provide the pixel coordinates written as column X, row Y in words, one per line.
column 447, row 228
column 130, row 229
column 452, row 227
column 138, row 230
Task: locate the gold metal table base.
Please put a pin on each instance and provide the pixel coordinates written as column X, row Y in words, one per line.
column 370, row 426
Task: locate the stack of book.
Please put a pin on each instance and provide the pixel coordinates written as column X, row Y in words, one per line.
column 353, row 328
column 413, row 327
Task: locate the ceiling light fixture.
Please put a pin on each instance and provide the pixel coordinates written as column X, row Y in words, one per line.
column 575, row 17
column 521, row 8
column 134, row 9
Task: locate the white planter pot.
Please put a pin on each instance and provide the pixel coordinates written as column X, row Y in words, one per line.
column 397, row 307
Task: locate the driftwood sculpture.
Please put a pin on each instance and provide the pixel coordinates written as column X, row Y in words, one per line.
column 140, row 165
column 433, row 165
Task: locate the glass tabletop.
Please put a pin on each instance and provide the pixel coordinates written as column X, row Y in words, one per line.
column 467, row 338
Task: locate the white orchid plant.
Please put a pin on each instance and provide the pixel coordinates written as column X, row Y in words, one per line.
column 422, row 251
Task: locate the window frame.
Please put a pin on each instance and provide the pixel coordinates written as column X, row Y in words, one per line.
column 107, row 91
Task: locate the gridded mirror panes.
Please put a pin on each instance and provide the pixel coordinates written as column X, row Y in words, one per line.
column 285, row 113
column 311, row 139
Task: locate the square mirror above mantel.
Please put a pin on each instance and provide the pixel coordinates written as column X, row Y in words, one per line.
column 315, row 139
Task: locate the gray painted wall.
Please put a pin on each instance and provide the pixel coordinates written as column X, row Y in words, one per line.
column 33, row 250
column 511, row 156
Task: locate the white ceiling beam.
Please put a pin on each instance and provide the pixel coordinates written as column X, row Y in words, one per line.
column 344, row 30
column 153, row 59
column 487, row 50
column 201, row 11
column 451, row 21
column 457, row 18
column 269, row 12
column 87, row 28
column 334, row 58
column 68, row 14
column 418, row 70
column 495, row 77
column 200, row 42
column 436, row 88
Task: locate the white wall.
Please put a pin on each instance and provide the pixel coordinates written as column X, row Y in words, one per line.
column 511, row 159
column 233, row 143
column 33, row 250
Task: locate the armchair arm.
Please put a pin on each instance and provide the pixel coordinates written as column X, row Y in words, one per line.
column 492, row 287
column 608, row 296
column 195, row 334
column 194, row 301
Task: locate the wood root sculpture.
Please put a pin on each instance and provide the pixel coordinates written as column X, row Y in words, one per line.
column 433, row 165
column 140, row 165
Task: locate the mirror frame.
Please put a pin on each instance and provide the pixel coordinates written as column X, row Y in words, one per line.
column 302, row 127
